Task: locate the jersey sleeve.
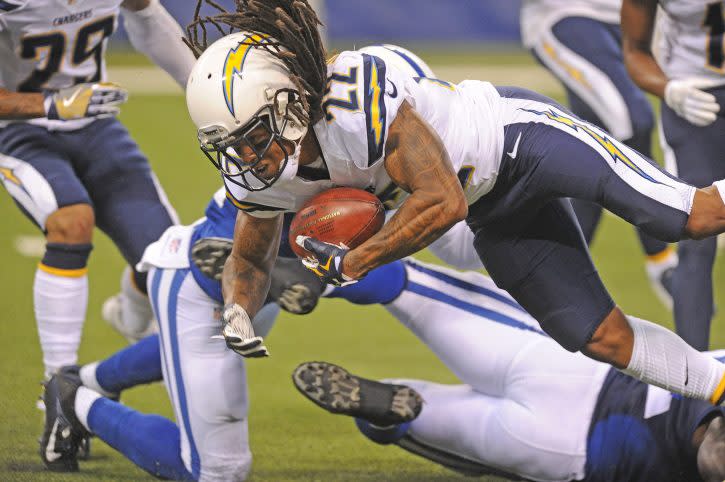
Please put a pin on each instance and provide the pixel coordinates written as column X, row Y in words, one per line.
column 240, row 199
column 362, row 100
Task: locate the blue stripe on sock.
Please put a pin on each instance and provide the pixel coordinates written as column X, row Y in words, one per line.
column 173, row 335
column 459, row 283
column 469, row 307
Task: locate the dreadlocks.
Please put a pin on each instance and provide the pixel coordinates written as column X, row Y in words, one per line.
column 293, row 26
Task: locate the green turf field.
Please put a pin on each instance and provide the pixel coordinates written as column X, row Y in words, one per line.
column 291, row 438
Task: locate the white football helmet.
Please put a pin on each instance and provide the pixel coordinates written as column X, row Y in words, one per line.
column 235, row 87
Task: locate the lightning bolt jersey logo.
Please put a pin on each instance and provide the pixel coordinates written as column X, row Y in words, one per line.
column 374, row 82
column 234, row 63
column 602, row 140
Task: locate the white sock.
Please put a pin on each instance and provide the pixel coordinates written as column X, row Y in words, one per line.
column 88, row 377
column 60, row 309
column 663, row 359
column 136, row 309
column 84, row 401
column 720, row 185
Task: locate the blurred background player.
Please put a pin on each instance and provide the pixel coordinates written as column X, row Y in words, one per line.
column 526, row 408
column 68, row 163
column 578, row 41
column 688, row 76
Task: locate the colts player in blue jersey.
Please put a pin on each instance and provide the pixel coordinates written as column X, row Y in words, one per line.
column 526, row 408
column 210, row 439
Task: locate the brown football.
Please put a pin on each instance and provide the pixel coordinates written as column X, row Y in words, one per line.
column 339, row 215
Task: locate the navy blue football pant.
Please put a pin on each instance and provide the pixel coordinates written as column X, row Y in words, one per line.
column 99, row 165
column 696, row 155
column 586, row 56
column 525, row 230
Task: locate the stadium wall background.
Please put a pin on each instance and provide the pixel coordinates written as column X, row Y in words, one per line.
column 430, row 22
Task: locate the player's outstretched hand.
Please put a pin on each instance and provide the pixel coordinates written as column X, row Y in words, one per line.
column 85, row 100
column 327, row 260
column 689, row 100
column 239, row 333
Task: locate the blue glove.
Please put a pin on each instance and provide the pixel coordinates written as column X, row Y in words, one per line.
column 327, row 261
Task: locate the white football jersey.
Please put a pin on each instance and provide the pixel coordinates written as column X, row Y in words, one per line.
column 540, row 15
column 363, row 99
column 52, row 44
column 691, row 39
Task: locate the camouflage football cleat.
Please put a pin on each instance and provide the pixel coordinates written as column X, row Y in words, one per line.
column 210, row 254
column 293, row 287
column 63, row 432
column 337, row 391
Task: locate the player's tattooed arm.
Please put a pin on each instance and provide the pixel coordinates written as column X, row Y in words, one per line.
column 638, row 22
column 417, row 161
column 16, row 105
column 245, row 279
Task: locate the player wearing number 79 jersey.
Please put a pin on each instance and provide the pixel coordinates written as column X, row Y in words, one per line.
column 68, row 163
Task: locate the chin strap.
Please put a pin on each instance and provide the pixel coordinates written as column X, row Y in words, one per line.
column 293, row 161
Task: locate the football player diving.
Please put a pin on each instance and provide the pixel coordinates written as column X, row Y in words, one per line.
column 282, row 125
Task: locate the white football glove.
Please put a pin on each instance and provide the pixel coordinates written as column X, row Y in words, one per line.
column 85, row 100
column 239, row 333
column 688, row 99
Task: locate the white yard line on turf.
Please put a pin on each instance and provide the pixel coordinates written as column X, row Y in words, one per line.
column 30, row 246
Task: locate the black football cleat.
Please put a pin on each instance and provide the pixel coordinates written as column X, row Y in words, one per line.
column 210, row 254
column 293, row 287
column 63, row 432
column 84, row 447
column 337, row 391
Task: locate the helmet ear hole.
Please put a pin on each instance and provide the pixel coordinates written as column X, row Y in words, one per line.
column 208, row 75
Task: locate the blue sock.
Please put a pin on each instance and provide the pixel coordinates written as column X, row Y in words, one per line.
column 384, row 435
column 134, row 365
column 149, row 441
column 381, row 285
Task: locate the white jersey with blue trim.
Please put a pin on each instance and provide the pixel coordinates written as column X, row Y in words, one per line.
column 691, row 39
column 53, row 44
column 364, row 95
column 537, row 16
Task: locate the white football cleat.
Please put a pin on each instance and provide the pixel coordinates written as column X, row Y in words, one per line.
column 659, row 273
column 133, row 330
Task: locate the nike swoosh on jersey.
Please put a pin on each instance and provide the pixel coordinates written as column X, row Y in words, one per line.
column 515, row 150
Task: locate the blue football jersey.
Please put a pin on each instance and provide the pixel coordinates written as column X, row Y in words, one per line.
column 643, row 433
column 221, row 216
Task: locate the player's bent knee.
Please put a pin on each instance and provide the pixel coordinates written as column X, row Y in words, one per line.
column 71, row 224
column 225, row 454
column 612, row 341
